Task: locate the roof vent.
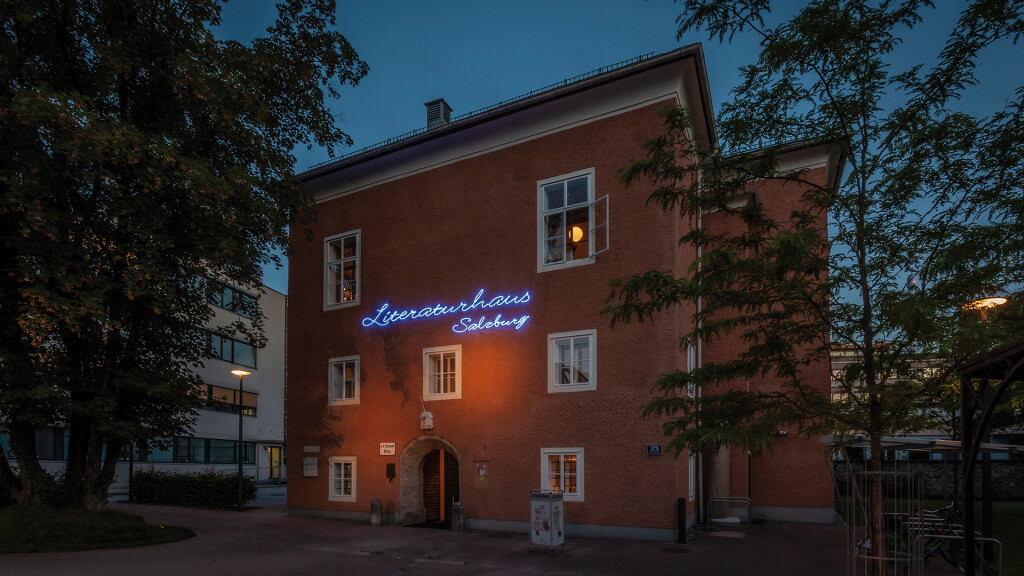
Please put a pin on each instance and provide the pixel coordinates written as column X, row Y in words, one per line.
column 438, row 113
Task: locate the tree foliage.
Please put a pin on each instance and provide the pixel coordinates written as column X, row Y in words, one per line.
column 931, row 192
column 141, row 157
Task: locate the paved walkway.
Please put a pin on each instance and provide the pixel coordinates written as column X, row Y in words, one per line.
column 270, row 541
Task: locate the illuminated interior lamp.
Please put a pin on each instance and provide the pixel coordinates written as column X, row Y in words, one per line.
column 577, row 234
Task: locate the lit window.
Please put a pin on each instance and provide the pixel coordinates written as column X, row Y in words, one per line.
column 572, row 225
column 222, row 399
column 442, row 373
column 341, row 276
column 562, row 470
column 343, row 479
column 344, row 380
column 571, row 361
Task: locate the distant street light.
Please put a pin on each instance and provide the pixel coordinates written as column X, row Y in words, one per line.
column 241, row 374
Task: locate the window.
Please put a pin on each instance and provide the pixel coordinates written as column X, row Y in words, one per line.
column 341, row 276
column 572, row 226
column 562, row 469
column 571, row 361
column 692, row 477
column 232, row 299
column 343, row 479
column 222, row 399
column 231, row 350
column 442, row 373
column 691, row 365
column 343, row 378
column 51, row 443
column 211, row 451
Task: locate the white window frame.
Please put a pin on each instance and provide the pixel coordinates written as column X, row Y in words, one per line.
column 331, row 494
column 328, row 305
column 427, row 352
column 691, row 364
column 691, row 476
column 576, row 451
column 594, row 210
column 331, row 399
column 554, row 384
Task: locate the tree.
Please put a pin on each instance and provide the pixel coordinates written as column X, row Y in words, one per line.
column 141, row 158
column 932, row 192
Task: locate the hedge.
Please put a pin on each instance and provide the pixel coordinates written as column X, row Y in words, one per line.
column 196, row 489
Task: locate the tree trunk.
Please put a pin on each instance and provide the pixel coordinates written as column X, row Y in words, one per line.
column 74, row 470
column 34, row 483
column 100, row 475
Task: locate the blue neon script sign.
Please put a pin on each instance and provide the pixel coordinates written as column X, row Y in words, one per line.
column 386, row 316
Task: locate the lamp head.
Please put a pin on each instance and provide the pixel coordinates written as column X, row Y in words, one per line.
column 241, row 372
column 983, row 303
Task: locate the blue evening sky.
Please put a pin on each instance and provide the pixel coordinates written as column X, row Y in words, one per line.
column 474, row 53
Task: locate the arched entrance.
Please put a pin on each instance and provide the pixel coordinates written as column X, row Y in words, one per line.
column 429, row 476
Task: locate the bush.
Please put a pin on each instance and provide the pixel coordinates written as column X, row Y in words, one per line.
column 195, row 489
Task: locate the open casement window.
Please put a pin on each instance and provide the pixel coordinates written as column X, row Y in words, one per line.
column 571, row 361
column 572, row 225
column 341, row 273
column 343, row 378
column 562, row 470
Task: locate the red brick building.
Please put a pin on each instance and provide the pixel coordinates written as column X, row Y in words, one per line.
column 445, row 336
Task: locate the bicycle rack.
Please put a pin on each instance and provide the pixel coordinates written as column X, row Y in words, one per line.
column 728, row 500
column 919, row 549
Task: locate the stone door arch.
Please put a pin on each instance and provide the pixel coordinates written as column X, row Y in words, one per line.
column 411, row 508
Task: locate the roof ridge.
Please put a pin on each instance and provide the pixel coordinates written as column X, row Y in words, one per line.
column 521, row 97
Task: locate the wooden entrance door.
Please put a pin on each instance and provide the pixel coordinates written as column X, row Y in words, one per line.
column 440, row 485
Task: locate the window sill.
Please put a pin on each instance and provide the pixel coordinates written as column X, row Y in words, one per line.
column 559, row 388
column 562, row 265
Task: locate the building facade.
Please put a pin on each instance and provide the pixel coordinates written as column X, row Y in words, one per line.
column 446, row 329
column 212, row 444
column 215, row 436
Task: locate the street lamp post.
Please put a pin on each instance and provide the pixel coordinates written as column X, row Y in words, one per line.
column 241, row 374
column 969, row 449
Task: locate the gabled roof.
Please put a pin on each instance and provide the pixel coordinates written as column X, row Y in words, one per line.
column 563, row 89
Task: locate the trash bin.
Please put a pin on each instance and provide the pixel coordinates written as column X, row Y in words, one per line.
column 547, row 523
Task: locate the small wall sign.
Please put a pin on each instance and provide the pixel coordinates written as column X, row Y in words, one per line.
column 654, row 450
column 387, row 448
column 309, row 466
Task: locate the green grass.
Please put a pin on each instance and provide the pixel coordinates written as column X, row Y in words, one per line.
column 43, row 529
column 1008, row 528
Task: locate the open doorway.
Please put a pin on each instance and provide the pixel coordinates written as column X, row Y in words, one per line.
column 429, row 472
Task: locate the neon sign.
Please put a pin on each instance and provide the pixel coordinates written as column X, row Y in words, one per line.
column 386, row 316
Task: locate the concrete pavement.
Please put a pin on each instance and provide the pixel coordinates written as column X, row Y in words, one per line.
column 270, row 541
